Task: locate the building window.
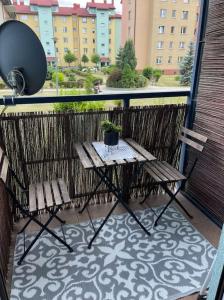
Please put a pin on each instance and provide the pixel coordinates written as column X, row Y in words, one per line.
column 65, row 39
column 65, row 29
column 93, row 20
column 181, row 45
column 64, row 19
column 161, row 29
column 23, row 17
column 158, row 60
column 48, row 52
column 102, row 23
column 84, row 20
column 84, row 40
column 84, row 30
column 109, row 50
column 183, row 30
column 171, row 45
column 102, row 53
column 109, row 41
column 74, row 19
column 55, row 29
column 94, row 50
column 109, row 31
column 93, row 31
column 102, row 45
column 57, row 50
column 174, row 13
column 160, row 45
column 184, row 15
column 65, row 50
column 102, row 14
column 74, row 29
column 170, row 60
column 94, row 41
column 47, row 43
column 102, row 33
column 75, row 49
column 85, row 50
column 129, row 31
column 172, row 29
column 163, row 13
column 180, row 58
column 129, row 15
column 36, row 18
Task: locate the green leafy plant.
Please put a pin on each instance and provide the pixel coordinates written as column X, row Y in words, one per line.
column 69, row 57
column 108, row 126
column 95, row 59
column 61, row 77
column 85, row 59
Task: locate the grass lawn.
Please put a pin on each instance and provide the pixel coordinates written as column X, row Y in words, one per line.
column 168, row 81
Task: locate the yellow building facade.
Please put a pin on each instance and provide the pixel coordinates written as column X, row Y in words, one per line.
column 161, row 30
column 71, row 28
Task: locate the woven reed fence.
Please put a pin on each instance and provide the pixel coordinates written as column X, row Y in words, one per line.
column 207, row 184
column 41, row 146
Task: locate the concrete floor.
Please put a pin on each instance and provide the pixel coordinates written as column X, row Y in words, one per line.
column 205, row 226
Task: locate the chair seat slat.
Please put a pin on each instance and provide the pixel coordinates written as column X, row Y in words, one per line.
column 64, row 191
column 32, row 198
column 191, row 143
column 40, row 196
column 56, row 192
column 194, row 134
column 166, row 171
column 4, row 170
column 87, row 164
column 48, row 194
column 175, row 172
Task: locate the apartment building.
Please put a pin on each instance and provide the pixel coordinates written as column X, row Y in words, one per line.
column 93, row 29
column 161, row 31
column 7, row 11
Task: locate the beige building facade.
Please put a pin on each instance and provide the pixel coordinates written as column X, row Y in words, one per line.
column 7, row 11
column 161, row 30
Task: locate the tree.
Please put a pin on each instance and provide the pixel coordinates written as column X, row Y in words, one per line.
column 126, row 56
column 95, row 59
column 69, row 57
column 85, row 59
column 119, row 58
column 60, row 77
column 186, row 66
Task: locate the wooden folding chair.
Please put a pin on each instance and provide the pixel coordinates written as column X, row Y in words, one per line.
column 45, row 196
column 164, row 174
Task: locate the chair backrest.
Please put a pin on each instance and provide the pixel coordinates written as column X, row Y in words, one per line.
column 4, row 165
column 192, row 139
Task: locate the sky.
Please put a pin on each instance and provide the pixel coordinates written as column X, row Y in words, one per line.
column 83, row 3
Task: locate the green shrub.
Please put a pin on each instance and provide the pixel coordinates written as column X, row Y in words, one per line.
column 114, row 78
column 80, row 83
column 148, row 72
column 128, row 77
column 50, row 72
column 61, row 77
column 108, row 70
column 89, row 106
column 69, row 84
column 118, row 103
column 177, row 78
column 89, row 84
column 64, row 107
column 140, row 81
column 97, row 80
column 157, row 74
column 72, row 92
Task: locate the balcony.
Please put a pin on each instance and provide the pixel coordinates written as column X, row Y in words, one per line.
column 123, row 263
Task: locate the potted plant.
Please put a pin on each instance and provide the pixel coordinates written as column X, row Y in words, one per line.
column 111, row 133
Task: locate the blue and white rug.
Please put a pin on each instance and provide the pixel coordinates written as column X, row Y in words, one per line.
column 123, row 263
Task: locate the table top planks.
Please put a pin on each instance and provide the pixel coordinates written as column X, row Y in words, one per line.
column 90, row 158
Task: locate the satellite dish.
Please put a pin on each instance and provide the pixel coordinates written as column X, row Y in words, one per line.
column 23, row 64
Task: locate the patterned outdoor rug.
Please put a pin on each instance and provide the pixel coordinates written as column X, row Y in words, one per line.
column 124, row 263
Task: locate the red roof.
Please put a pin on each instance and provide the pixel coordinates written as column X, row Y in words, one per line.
column 47, row 3
column 100, row 5
column 64, row 11
column 83, row 12
column 104, row 59
column 51, row 58
column 23, row 9
column 116, row 16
